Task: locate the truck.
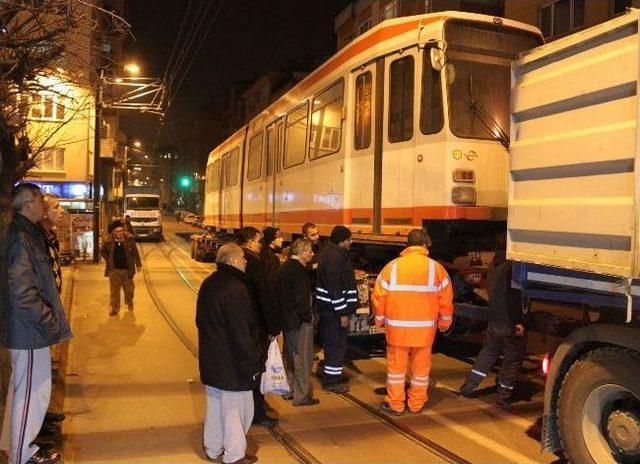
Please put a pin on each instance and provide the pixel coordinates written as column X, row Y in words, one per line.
column 142, row 204
column 573, row 232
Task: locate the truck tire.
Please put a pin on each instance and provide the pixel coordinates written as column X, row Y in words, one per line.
column 599, row 408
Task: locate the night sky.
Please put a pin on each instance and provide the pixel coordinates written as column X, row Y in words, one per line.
column 248, row 38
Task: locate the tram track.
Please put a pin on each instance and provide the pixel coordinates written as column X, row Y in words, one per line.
column 388, row 421
column 287, row 441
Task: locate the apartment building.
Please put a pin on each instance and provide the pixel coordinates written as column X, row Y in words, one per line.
column 557, row 18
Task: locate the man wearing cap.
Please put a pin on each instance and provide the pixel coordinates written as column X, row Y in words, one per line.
column 337, row 299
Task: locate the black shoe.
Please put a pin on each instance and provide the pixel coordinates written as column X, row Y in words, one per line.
column 54, row 417
column 265, row 421
column 309, row 402
column 336, row 388
column 49, row 429
column 43, row 457
column 466, row 390
column 384, row 407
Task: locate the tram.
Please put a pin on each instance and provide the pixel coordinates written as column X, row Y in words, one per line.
column 407, row 126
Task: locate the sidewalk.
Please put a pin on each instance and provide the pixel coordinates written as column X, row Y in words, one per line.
column 133, row 393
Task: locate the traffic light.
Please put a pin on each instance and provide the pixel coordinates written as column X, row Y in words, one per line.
column 185, row 182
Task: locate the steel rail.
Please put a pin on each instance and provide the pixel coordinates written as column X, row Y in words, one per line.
column 288, row 442
column 395, row 425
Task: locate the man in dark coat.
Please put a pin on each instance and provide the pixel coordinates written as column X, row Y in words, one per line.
column 35, row 321
column 122, row 260
column 294, row 296
column 337, row 299
column 227, row 354
column 266, row 312
column 272, row 241
column 505, row 335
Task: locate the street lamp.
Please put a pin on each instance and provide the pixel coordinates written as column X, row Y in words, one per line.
column 132, row 68
column 137, row 144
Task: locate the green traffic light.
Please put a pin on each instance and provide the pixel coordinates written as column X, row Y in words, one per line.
column 185, row 182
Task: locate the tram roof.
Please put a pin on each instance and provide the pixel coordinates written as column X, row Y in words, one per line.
column 382, row 32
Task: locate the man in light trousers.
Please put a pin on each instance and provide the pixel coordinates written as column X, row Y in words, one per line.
column 35, row 321
column 228, row 357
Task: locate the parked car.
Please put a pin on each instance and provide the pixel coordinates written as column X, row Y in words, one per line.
column 189, row 218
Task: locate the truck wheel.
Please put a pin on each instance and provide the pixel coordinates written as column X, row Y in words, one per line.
column 599, row 408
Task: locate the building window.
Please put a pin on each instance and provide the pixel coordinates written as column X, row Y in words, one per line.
column 326, row 121
column 362, row 119
column 401, row 100
column 365, row 26
column 431, row 113
column 296, row 136
column 254, row 158
column 215, row 176
column 619, row 6
column 390, row 10
column 49, row 107
column 51, row 159
column 232, row 167
column 561, row 17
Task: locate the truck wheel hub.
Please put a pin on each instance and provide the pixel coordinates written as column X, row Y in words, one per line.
column 623, row 429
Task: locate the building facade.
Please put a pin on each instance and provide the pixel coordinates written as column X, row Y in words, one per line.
column 557, row 18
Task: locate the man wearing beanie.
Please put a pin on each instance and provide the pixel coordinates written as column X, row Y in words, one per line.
column 337, row 299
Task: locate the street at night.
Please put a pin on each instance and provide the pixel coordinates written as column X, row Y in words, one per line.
column 320, row 231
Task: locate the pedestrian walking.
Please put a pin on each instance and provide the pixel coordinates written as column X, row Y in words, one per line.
column 35, row 321
column 228, row 359
column 412, row 297
column 272, row 241
column 128, row 227
column 337, row 299
column 122, row 261
column 505, row 335
column 265, row 309
column 294, row 296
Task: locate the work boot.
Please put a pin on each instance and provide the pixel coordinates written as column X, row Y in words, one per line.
column 505, row 395
column 54, row 417
column 247, row 459
column 44, row 457
column 384, row 407
column 467, row 389
column 336, row 388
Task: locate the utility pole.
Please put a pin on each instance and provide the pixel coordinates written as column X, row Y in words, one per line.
column 96, row 168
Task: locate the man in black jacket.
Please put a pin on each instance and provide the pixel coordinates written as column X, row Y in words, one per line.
column 227, row 354
column 294, row 296
column 272, row 240
column 337, row 299
column 266, row 312
column 505, row 335
column 36, row 320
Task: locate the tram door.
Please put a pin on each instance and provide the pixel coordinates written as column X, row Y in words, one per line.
column 272, row 180
column 400, row 125
column 364, row 85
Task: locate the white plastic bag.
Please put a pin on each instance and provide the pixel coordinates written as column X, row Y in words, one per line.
column 274, row 379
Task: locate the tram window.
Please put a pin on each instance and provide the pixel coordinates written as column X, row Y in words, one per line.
column 209, row 178
column 254, row 158
column 362, row 119
column 232, row 168
column 326, row 121
column 296, row 136
column 215, row 181
column 271, row 150
column 431, row 113
column 401, row 100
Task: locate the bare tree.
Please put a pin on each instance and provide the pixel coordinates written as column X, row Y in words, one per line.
column 47, row 47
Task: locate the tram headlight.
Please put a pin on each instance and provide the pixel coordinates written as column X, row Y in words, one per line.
column 464, row 195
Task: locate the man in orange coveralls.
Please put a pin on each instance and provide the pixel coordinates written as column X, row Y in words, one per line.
column 412, row 297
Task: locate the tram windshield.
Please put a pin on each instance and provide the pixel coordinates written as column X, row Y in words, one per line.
column 479, row 77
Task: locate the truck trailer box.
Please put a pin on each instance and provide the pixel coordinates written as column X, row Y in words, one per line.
column 574, row 193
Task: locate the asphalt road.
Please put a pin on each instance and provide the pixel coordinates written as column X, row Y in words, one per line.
column 351, row 429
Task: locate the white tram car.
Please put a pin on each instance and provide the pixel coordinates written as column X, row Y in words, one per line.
column 405, row 127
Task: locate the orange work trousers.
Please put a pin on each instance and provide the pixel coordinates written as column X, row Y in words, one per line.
column 398, row 358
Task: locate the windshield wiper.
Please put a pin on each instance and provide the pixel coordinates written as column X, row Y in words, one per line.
column 487, row 121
